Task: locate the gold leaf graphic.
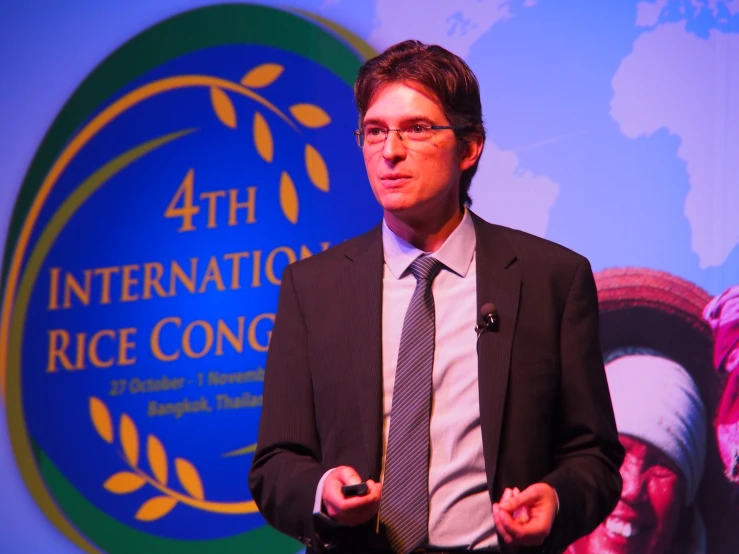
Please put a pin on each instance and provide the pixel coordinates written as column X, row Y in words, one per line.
column 288, row 198
column 262, row 75
column 129, row 440
column 124, row 482
column 101, row 419
column 263, row 138
column 189, row 477
column 242, row 451
column 310, row 115
column 223, row 107
column 157, row 459
column 156, row 507
column 317, row 170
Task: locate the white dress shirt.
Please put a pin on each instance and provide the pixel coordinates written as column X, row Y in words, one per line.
column 460, row 511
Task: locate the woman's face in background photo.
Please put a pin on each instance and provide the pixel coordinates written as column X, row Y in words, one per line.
column 646, row 516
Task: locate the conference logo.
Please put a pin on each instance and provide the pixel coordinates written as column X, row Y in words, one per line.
column 143, row 267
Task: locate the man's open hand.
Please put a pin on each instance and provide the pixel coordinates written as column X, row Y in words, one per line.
column 525, row 518
column 349, row 511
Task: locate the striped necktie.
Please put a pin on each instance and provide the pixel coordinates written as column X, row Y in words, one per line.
column 404, row 507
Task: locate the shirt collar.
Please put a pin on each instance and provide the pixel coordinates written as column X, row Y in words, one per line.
column 456, row 253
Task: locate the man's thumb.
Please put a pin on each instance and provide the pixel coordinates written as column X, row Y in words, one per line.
column 347, row 475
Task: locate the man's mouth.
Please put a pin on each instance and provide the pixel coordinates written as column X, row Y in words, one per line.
column 622, row 528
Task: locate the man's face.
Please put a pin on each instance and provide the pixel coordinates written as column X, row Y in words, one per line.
column 646, row 517
column 413, row 179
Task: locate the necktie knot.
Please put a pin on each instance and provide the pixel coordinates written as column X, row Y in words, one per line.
column 426, row 268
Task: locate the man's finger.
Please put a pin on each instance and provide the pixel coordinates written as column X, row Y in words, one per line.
column 356, row 510
column 375, row 492
column 527, row 497
column 500, row 526
column 527, row 534
column 520, row 514
column 510, row 525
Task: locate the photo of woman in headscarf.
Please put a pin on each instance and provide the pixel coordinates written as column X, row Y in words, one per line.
column 658, row 355
column 661, row 422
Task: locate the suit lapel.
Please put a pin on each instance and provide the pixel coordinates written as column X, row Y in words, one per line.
column 361, row 293
column 498, row 282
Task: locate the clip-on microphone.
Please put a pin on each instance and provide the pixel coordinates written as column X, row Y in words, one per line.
column 490, row 319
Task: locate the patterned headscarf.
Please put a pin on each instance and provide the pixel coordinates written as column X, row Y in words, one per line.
column 722, row 314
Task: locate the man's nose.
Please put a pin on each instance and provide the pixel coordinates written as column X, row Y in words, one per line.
column 393, row 147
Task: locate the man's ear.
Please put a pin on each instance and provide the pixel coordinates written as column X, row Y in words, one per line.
column 471, row 151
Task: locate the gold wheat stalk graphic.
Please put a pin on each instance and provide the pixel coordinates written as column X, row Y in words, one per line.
column 309, row 115
column 126, row 482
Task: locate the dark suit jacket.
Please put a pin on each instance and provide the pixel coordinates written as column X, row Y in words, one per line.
column 545, row 409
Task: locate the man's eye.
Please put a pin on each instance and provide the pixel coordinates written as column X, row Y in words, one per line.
column 417, row 129
column 373, row 131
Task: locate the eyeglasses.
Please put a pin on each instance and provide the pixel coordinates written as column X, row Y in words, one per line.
column 373, row 135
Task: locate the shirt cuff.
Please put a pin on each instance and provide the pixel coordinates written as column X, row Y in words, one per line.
column 318, row 504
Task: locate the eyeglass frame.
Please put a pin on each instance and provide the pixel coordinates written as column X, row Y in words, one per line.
column 359, row 133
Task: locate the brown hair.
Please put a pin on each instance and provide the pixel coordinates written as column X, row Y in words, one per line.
column 444, row 74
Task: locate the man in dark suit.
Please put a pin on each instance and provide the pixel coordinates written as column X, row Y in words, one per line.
column 498, row 437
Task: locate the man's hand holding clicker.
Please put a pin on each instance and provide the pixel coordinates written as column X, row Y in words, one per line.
column 349, row 511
